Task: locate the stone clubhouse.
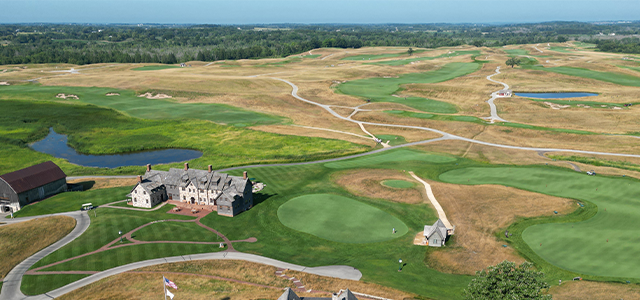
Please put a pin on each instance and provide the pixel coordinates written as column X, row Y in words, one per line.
column 228, row 195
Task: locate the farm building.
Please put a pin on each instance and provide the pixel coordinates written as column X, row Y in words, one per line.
column 31, row 184
column 228, row 195
column 436, row 234
column 504, row 93
column 342, row 295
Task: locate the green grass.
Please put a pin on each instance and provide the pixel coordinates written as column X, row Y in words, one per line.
column 392, row 139
column 617, row 78
column 584, row 45
column 189, row 232
column 402, row 155
column 398, row 184
column 517, row 52
column 561, row 49
column 599, row 162
column 96, row 130
column 154, row 68
column 574, row 103
column 580, row 247
column 39, row 284
column 71, row 201
column 380, row 56
column 140, row 107
column 480, row 121
column 637, row 69
column 340, row 219
column 382, row 89
column 410, row 60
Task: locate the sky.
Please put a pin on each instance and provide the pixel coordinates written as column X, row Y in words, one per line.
column 317, row 11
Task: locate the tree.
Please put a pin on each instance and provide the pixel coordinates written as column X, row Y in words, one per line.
column 562, row 39
column 514, row 61
column 410, row 51
column 478, row 43
column 507, row 281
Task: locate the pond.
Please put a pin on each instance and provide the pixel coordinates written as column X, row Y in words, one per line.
column 555, row 95
column 56, row 144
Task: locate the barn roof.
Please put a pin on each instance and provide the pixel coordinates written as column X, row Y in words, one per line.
column 32, row 177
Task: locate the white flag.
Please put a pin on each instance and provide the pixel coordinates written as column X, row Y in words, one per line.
column 169, row 294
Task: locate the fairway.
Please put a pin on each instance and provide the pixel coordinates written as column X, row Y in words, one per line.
column 382, row 89
column 617, row 78
column 388, row 158
column 398, row 184
column 154, row 68
column 339, row 219
column 605, row 245
column 141, row 107
column 410, row 60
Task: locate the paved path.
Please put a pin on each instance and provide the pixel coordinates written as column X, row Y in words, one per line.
column 494, row 111
column 13, row 280
column 133, row 208
column 433, row 200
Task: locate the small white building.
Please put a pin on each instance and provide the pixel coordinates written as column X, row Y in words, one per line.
column 504, row 93
column 436, row 235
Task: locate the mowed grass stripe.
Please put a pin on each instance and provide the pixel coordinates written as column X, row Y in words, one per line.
column 605, row 245
column 39, row 284
column 340, row 219
column 381, row 89
column 190, row 232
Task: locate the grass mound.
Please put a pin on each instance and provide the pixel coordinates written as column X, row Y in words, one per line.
column 339, row 219
column 383, row 89
column 398, row 184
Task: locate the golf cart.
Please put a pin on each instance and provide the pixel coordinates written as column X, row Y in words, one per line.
column 591, row 173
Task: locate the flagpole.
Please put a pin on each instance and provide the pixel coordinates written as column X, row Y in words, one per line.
column 164, row 286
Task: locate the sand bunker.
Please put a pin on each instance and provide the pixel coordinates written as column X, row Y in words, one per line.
column 158, row 96
column 556, row 106
column 585, row 106
column 616, row 107
column 113, row 94
column 4, row 83
column 66, row 96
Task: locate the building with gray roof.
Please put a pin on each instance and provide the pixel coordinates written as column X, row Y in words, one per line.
column 228, row 195
column 436, row 234
column 342, row 295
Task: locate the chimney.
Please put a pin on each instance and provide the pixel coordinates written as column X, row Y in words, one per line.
column 148, row 168
column 245, row 175
column 139, row 179
column 186, row 166
column 210, row 168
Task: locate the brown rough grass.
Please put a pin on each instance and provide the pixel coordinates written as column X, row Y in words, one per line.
column 19, row 241
column 589, row 290
column 368, row 183
column 477, row 212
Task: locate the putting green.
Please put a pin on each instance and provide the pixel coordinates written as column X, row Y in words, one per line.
column 604, row 245
column 340, row 219
column 398, row 184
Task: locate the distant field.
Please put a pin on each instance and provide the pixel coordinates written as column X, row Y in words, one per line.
column 410, row 60
column 517, row 52
column 339, row 219
column 617, row 78
column 154, row 68
column 382, row 89
column 379, row 56
column 605, row 245
column 141, row 107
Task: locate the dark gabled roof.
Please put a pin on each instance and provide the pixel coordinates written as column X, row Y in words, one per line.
column 33, row 177
column 288, row 295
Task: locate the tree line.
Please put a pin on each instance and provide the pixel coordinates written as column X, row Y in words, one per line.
column 87, row 44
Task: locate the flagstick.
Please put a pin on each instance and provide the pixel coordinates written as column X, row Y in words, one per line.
column 164, row 285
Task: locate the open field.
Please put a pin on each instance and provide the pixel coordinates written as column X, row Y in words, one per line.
column 154, row 68
column 384, row 89
column 617, row 78
column 339, row 219
column 417, row 59
column 19, row 241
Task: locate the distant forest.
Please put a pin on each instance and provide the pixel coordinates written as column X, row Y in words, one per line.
column 169, row 44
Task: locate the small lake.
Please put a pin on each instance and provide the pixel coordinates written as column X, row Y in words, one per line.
column 555, row 95
column 56, row 144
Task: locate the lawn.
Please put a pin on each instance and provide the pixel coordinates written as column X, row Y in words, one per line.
column 410, row 60
column 155, row 68
column 379, row 56
column 383, row 89
column 129, row 103
column 96, row 130
column 604, row 245
column 617, row 78
column 515, row 52
column 340, row 219
column 40, row 284
column 393, row 140
column 189, row 232
column 71, row 201
column 398, row 184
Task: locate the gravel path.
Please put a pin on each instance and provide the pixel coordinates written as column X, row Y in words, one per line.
column 494, row 111
column 433, row 200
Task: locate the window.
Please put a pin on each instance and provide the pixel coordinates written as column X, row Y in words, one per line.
column 182, row 188
column 136, row 191
column 147, row 200
column 144, row 192
column 184, row 197
column 135, row 199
